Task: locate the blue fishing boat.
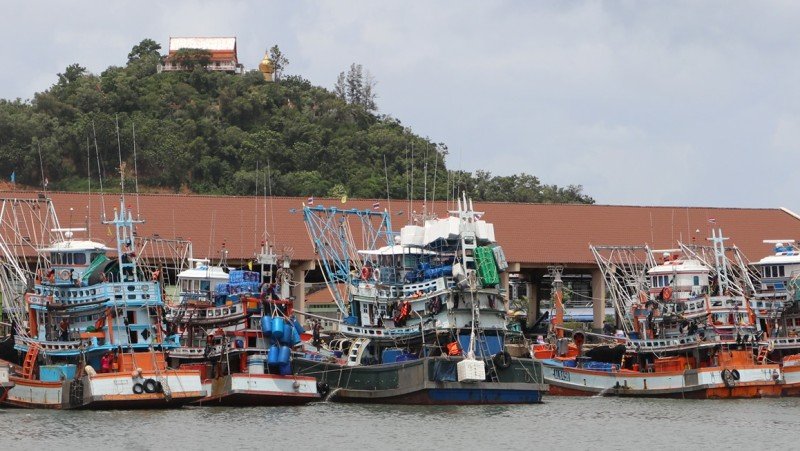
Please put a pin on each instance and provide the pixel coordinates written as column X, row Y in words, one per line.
column 90, row 331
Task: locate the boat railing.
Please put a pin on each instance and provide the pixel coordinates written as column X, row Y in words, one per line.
column 666, row 343
column 47, row 346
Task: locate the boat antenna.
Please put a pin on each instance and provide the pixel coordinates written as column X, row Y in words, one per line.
column 135, row 171
column 411, row 194
column 425, row 190
column 89, row 177
column 119, row 153
column 408, row 187
column 386, row 174
column 99, row 173
column 255, row 212
column 274, row 230
column 435, row 167
column 41, row 166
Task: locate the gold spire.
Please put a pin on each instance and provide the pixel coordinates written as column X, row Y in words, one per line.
column 267, row 67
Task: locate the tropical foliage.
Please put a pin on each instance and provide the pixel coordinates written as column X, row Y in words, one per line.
column 210, row 132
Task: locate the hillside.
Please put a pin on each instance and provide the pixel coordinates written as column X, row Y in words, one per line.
column 210, row 132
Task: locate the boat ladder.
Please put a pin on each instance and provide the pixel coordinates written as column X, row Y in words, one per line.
column 762, row 355
column 483, row 346
column 29, row 363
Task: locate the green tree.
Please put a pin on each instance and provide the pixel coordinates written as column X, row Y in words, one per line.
column 279, row 61
column 146, row 49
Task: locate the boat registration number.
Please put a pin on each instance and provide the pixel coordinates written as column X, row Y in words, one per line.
column 560, row 374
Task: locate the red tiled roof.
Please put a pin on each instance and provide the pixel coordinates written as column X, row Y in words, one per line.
column 532, row 234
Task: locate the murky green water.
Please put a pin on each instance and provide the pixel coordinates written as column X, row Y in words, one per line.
column 567, row 423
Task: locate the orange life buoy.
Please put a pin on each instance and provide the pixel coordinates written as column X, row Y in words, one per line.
column 666, row 293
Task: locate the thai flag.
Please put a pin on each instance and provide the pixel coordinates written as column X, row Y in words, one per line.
column 376, row 206
column 310, row 200
column 712, row 220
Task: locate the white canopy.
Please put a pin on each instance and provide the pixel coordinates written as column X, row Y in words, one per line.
column 396, row 250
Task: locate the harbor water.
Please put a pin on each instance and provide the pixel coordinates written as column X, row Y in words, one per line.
column 559, row 423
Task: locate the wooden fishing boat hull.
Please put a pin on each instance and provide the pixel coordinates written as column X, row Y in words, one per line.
column 427, row 381
column 244, row 389
column 704, row 383
column 107, row 391
column 791, row 380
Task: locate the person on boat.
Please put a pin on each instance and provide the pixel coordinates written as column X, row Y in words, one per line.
column 608, row 329
column 63, row 328
column 105, row 362
column 315, row 330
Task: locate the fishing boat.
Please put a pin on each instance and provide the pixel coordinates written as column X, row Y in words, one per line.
column 90, row 328
column 687, row 331
column 776, row 303
column 423, row 317
column 239, row 338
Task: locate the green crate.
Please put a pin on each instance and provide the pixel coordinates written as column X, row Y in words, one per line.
column 487, row 269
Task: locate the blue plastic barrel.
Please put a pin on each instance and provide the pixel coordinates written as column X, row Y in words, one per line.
column 277, row 327
column 287, row 334
column 285, row 369
column 266, row 325
column 298, row 326
column 295, row 337
column 274, row 358
column 284, row 354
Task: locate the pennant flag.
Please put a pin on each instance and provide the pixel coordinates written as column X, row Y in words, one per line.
column 46, row 182
column 712, row 220
column 344, row 199
column 478, row 215
column 310, row 200
column 250, row 265
column 14, row 177
column 376, row 206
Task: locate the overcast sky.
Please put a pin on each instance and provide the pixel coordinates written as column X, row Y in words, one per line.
column 644, row 103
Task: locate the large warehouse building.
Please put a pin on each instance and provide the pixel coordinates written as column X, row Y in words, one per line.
column 534, row 236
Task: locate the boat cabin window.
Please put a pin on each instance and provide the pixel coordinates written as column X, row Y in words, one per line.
column 661, row 281
column 696, row 280
column 79, row 259
column 773, row 271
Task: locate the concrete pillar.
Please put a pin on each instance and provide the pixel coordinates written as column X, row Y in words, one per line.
column 299, row 282
column 599, row 298
column 533, row 302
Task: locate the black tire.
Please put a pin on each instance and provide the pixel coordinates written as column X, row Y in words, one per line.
column 150, row 385
column 323, row 389
column 736, row 375
column 502, row 360
column 727, row 378
column 138, row 388
column 159, row 387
